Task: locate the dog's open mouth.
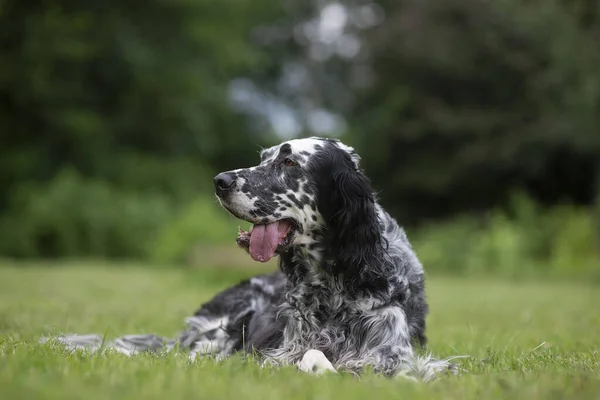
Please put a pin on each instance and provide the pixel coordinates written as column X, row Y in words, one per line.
column 264, row 240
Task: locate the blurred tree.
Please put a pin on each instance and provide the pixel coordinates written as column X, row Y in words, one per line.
column 453, row 104
column 473, row 100
column 88, row 84
column 113, row 115
column 587, row 12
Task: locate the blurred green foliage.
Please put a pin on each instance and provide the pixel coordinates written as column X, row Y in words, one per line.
column 200, row 223
column 72, row 216
column 114, row 118
column 523, row 240
column 84, row 84
column 479, row 99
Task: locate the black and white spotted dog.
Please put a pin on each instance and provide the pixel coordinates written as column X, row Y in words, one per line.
column 350, row 291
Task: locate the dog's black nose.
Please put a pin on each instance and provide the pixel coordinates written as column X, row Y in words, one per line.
column 223, row 182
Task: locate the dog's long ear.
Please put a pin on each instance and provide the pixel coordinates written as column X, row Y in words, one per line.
column 347, row 204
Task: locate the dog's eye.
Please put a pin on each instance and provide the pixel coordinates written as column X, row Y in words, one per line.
column 288, row 162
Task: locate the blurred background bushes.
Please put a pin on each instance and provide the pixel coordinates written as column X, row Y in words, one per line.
column 478, row 122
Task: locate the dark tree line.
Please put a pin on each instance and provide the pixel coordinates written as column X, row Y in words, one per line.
column 453, row 104
column 477, row 101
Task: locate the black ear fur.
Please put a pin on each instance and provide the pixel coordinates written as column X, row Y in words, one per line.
column 347, row 204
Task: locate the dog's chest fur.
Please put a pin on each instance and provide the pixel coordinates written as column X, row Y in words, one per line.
column 318, row 312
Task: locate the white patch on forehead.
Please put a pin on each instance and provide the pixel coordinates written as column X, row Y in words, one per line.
column 305, row 145
column 298, row 146
column 310, row 144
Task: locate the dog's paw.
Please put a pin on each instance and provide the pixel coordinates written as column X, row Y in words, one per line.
column 315, row 362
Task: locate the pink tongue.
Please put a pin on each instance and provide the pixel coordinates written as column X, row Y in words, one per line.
column 263, row 241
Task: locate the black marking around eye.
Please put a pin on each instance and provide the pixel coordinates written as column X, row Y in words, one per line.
column 314, row 217
column 285, row 148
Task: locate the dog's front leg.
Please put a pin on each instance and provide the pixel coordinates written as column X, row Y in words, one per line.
column 315, row 362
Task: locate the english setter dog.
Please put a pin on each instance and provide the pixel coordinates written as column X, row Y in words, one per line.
column 350, row 292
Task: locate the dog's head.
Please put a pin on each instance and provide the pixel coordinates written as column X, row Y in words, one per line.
column 304, row 192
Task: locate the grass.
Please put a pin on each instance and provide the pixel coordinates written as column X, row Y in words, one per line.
column 525, row 339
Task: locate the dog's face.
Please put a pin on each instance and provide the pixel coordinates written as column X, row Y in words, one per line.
column 289, row 196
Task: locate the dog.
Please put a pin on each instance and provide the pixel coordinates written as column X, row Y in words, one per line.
column 349, row 294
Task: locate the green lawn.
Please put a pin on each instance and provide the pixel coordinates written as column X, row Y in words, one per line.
column 525, row 339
